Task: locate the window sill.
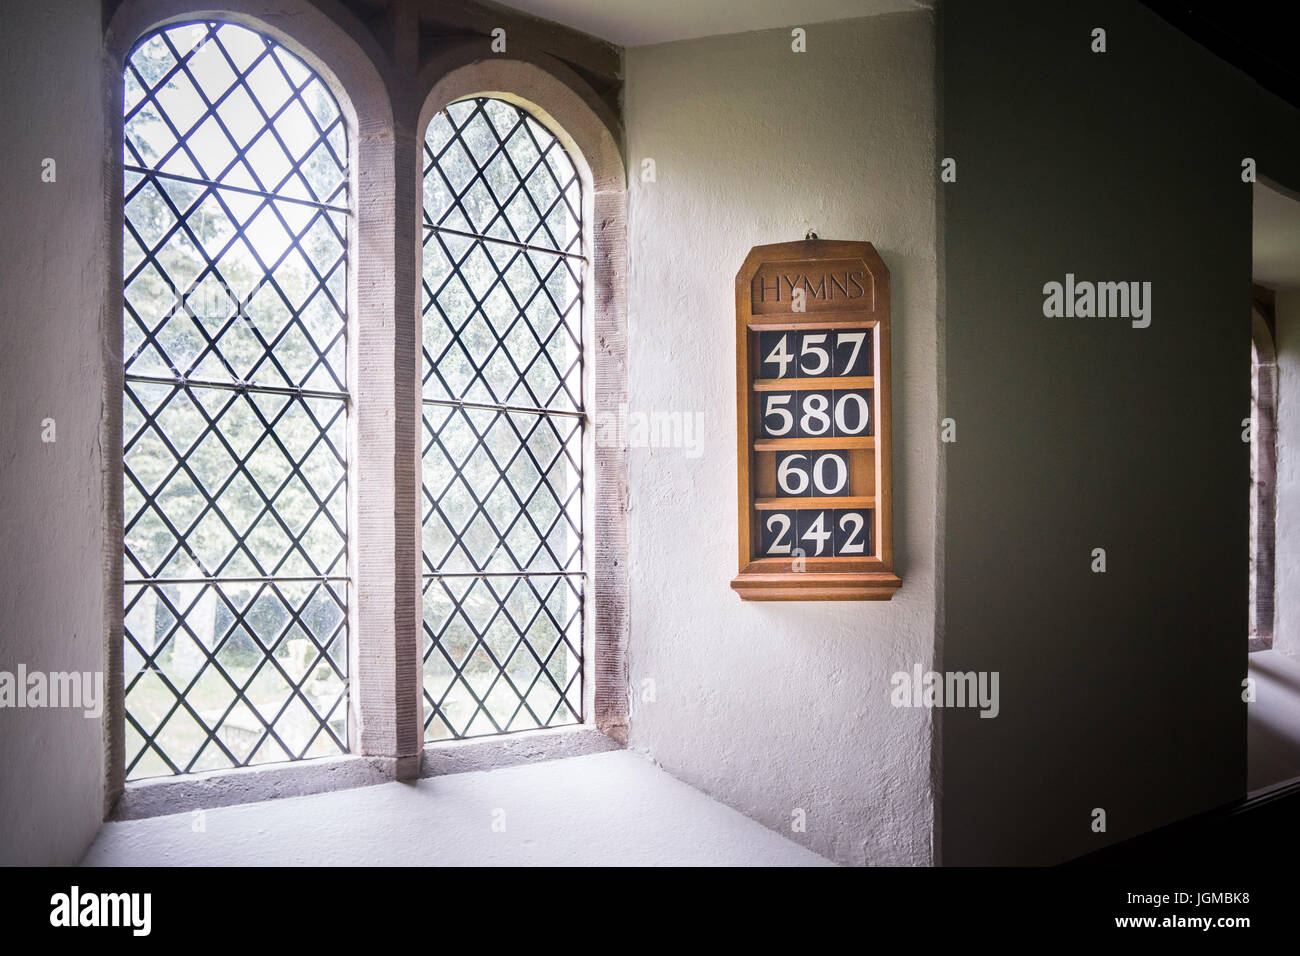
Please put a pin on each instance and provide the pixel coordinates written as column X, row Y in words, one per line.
column 508, row 750
column 162, row 796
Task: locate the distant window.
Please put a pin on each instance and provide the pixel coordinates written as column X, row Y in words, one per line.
column 1263, row 482
column 235, row 404
column 503, row 424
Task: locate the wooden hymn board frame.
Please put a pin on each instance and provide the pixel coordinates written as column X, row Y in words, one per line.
column 813, row 424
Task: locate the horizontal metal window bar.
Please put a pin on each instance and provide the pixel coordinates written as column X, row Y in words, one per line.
column 504, row 574
column 195, row 181
column 505, row 242
column 519, row 409
column 254, row 579
column 291, row 391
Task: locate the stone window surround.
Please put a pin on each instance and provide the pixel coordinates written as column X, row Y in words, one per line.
column 387, row 101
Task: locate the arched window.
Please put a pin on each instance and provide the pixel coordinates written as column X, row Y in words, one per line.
column 235, row 404
column 504, row 266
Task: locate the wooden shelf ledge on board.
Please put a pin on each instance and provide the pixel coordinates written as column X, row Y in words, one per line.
column 807, row 504
column 804, row 444
column 813, row 384
column 813, row 586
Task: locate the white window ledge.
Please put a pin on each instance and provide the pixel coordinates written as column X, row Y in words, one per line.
column 162, row 796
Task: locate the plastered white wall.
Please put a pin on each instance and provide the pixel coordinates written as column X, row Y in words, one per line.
column 775, row 706
column 52, row 273
column 1286, row 623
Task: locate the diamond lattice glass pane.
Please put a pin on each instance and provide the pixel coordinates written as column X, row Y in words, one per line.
column 502, row 491
column 232, row 106
column 501, row 324
column 234, row 406
column 263, row 306
column 490, row 169
column 237, row 484
column 216, row 674
column 502, row 487
column 501, row 654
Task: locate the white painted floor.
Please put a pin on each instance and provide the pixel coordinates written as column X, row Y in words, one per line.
column 1273, row 722
column 608, row 809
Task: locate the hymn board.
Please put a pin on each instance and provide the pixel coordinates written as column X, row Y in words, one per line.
column 812, row 423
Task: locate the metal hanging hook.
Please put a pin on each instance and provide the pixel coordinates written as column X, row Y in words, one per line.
column 810, row 235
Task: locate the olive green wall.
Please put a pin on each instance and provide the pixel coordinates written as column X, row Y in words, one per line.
column 1120, row 690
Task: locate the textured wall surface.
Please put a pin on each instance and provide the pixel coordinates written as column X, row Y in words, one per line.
column 52, row 271
column 775, row 706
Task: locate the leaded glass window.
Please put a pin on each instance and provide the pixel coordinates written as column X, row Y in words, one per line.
column 235, row 404
column 503, row 424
